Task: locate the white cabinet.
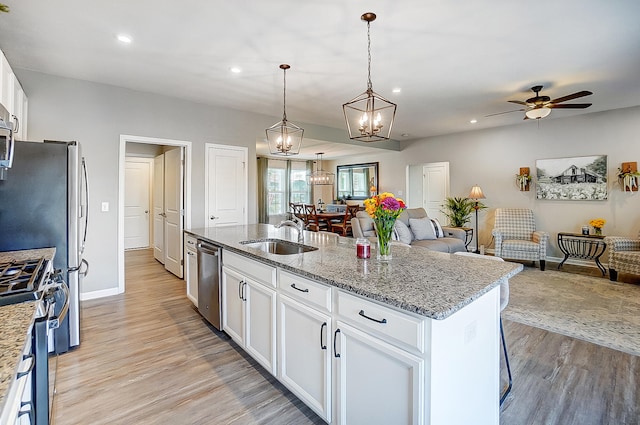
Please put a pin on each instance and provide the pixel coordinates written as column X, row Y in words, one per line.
column 379, row 366
column 13, row 98
column 192, row 268
column 249, row 307
column 376, row 382
column 304, row 335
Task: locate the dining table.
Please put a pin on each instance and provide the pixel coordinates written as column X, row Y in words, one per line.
column 328, row 217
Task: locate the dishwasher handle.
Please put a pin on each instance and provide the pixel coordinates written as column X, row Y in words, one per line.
column 208, row 249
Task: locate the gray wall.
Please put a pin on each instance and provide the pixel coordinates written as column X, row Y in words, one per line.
column 491, row 158
column 96, row 115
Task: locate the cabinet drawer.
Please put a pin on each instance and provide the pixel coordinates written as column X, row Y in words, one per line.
column 251, row 268
column 190, row 242
column 308, row 291
column 368, row 315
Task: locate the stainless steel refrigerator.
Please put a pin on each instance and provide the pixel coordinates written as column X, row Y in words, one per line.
column 43, row 204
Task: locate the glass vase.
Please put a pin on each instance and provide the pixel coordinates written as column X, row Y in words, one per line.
column 384, row 230
column 597, row 231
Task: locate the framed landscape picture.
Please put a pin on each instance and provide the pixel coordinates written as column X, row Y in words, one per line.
column 579, row 178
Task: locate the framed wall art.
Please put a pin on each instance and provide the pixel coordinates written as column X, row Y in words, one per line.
column 579, row 178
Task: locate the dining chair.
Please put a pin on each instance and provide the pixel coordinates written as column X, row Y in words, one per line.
column 344, row 227
column 298, row 211
column 313, row 222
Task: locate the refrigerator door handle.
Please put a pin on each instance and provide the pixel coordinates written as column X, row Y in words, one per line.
column 78, row 269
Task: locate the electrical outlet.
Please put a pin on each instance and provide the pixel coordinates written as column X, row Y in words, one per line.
column 105, row 207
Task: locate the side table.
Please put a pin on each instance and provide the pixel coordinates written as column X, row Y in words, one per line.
column 586, row 247
column 468, row 236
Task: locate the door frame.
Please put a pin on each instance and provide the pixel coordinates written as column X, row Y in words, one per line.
column 124, row 139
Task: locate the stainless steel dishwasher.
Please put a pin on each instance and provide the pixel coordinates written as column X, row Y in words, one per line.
column 209, row 273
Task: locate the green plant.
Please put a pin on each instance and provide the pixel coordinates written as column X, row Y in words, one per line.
column 459, row 210
column 4, row 8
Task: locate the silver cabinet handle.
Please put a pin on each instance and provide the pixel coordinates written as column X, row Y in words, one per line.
column 190, row 253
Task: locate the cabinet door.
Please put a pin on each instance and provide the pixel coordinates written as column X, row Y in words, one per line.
column 377, row 383
column 192, row 276
column 233, row 304
column 305, row 354
column 260, row 329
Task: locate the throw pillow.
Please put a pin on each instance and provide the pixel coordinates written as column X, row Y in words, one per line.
column 403, row 234
column 437, row 227
column 422, row 228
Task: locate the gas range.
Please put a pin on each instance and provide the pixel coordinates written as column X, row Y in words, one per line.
column 22, row 280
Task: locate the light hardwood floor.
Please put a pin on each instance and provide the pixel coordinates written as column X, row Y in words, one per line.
column 147, row 357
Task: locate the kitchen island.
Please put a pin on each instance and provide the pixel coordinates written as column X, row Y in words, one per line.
column 415, row 340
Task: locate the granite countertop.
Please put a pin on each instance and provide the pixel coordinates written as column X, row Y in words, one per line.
column 15, row 322
column 428, row 283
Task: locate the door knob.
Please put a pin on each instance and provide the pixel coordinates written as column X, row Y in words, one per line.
column 162, row 215
column 146, row 211
column 213, row 217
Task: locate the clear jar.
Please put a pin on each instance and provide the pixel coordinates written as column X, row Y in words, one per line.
column 363, row 248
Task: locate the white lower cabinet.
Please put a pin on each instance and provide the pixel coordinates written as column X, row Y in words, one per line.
column 305, row 354
column 376, row 382
column 248, row 316
column 192, row 268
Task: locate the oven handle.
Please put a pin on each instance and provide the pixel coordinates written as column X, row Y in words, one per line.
column 54, row 321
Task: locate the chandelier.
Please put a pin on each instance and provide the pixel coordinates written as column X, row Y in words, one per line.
column 320, row 177
column 369, row 116
column 284, row 138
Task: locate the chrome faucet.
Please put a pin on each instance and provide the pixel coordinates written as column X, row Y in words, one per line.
column 296, row 223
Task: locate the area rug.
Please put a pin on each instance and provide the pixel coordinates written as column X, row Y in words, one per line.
column 589, row 308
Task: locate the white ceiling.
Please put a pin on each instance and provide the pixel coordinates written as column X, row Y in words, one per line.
column 453, row 60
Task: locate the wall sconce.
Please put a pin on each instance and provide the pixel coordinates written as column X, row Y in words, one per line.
column 628, row 176
column 523, row 179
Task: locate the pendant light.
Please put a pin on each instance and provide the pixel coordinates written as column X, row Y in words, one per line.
column 320, row 177
column 284, row 138
column 369, row 116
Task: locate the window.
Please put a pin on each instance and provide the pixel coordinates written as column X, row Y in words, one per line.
column 282, row 190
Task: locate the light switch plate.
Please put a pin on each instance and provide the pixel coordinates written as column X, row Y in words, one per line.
column 105, row 207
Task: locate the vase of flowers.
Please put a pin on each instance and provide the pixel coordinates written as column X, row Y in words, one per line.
column 384, row 209
column 597, row 224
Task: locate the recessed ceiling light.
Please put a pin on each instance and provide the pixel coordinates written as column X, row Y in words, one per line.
column 397, row 90
column 235, row 70
column 123, row 38
column 405, row 134
column 473, row 121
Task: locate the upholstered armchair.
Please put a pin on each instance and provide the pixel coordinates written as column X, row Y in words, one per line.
column 516, row 236
column 624, row 256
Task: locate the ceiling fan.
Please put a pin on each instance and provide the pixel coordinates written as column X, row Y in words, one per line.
column 540, row 106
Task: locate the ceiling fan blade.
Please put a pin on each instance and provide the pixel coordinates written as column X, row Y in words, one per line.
column 518, row 102
column 506, row 112
column 572, row 96
column 569, row 106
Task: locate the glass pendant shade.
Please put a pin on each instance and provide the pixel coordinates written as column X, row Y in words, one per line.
column 369, row 116
column 284, row 137
column 537, row 113
column 320, row 176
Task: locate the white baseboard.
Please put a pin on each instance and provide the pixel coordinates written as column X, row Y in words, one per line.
column 84, row 296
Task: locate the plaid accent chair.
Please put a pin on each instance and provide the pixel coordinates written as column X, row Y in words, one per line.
column 624, row 256
column 516, row 237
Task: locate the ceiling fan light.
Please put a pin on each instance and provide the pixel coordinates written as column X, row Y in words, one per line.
column 537, row 113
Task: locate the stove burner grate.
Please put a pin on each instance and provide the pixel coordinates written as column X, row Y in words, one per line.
column 20, row 276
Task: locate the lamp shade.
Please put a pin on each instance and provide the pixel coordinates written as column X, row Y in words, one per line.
column 537, row 113
column 476, row 193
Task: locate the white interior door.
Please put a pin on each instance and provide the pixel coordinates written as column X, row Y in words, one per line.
column 435, row 188
column 137, row 201
column 158, row 208
column 173, row 208
column 226, row 184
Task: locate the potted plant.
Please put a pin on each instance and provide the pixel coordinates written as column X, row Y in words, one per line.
column 628, row 179
column 4, row 8
column 523, row 181
column 458, row 210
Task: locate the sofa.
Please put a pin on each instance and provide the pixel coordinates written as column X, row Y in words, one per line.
column 426, row 232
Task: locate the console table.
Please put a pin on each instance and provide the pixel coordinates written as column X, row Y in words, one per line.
column 586, row 247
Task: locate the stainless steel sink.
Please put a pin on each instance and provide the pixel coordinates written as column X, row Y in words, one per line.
column 279, row 246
